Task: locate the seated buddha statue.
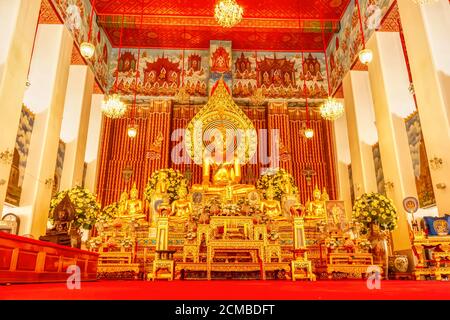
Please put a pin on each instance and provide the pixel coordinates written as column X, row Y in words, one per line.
column 130, row 208
column 224, row 174
column 182, row 208
column 271, row 207
column 316, row 207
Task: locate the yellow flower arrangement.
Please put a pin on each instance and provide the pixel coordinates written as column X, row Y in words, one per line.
column 276, row 178
column 174, row 178
column 85, row 203
column 374, row 208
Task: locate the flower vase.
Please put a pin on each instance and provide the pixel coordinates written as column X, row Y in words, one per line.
column 75, row 238
column 379, row 248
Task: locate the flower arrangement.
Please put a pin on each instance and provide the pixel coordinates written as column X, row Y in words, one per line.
column 375, row 209
column 107, row 214
column 276, row 178
column 332, row 243
column 94, row 243
column 174, row 179
column 126, row 242
column 364, row 244
column 85, row 203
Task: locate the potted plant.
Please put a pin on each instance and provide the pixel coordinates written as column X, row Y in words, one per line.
column 377, row 217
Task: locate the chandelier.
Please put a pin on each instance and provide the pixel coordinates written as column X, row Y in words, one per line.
column 113, row 107
column 331, row 109
column 365, row 55
column 228, row 13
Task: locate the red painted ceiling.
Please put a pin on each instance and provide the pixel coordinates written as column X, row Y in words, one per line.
column 267, row 25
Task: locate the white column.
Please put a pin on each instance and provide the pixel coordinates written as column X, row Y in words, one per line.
column 426, row 29
column 393, row 102
column 93, row 143
column 18, row 21
column 343, row 160
column 362, row 131
column 75, row 124
column 48, row 76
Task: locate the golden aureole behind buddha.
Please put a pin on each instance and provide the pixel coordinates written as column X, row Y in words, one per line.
column 220, row 228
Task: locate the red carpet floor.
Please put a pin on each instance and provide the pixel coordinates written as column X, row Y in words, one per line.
column 230, row 290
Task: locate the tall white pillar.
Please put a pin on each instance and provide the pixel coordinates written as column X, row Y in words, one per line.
column 362, row 131
column 93, row 143
column 75, row 124
column 343, row 161
column 426, row 30
column 18, row 21
column 392, row 103
column 48, row 76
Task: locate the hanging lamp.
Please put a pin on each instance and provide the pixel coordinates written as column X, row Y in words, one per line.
column 113, row 107
column 331, row 109
column 132, row 129
column 87, row 49
column 365, row 55
column 308, row 132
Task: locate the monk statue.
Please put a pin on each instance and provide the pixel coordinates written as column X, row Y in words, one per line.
column 316, row 207
column 158, row 197
column 182, row 208
column 161, row 185
column 271, row 207
column 134, row 205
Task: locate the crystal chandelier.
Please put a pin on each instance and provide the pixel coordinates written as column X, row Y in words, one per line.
column 113, row 107
column 257, row 99
column 331, row 109
column 228, row 13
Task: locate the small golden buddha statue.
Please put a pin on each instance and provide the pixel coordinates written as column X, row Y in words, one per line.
column 122, row 205
column 316, row 207
column 134, row 205
column 288, row 189
column 325, row 196
column 271, row 207
column 182, row 208
column 161, row 185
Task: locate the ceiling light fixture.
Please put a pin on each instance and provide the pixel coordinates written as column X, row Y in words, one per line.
column 228, row 13
column 87, row 49
column 331, row 109
column 365, row 55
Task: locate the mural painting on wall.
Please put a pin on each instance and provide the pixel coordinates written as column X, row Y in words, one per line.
column 220, row 63
column 58, row 167
column 345, row 45
column 161, row 72
column 378, row 169
column 20, row 157
column 76, row 15
column 424, row 185
column 279, row 75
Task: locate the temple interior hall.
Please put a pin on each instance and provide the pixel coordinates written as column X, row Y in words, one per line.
column 175, row 149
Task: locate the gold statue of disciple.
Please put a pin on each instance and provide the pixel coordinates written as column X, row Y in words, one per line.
column 316, row 207
column 271, row 207
column 134, row 205
column 182, row 208
column 122, row 205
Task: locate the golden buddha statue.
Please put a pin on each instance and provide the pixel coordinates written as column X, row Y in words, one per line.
column 324, row 196
column 134, row 205
column 122, row 205
column 161, row 185
column 182, row 208
column 225, row 175
column 271, row 207
column 316, row 207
